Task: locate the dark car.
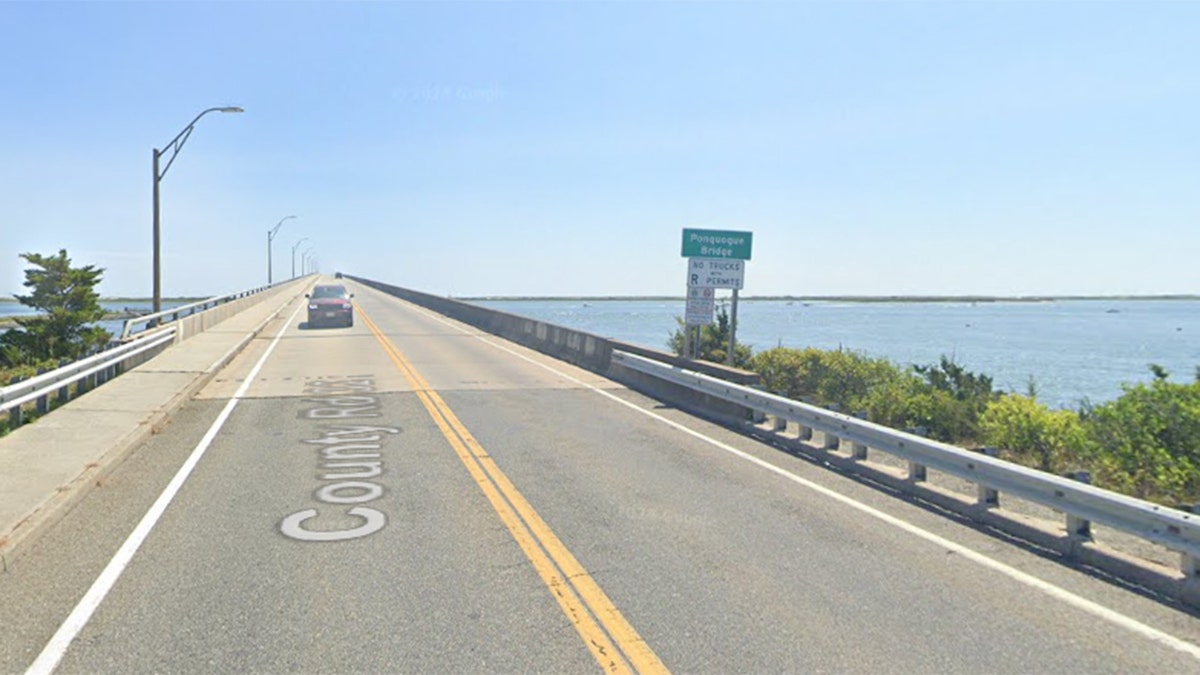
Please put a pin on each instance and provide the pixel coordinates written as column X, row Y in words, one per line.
column 329, row 304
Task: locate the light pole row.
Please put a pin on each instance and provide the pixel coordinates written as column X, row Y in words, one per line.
column 271, row 236
column 174, row 146
column 294, row 247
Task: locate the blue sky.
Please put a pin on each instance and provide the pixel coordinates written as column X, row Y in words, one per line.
column 558, row 148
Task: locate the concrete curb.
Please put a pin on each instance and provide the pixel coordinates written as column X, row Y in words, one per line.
column 16, row 537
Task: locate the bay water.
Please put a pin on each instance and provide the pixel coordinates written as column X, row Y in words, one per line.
column 114, row 326
column 1072, row 350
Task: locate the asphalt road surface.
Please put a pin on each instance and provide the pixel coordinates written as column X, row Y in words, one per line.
column 410, row 495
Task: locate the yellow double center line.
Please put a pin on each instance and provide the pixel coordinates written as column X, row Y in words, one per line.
column 598, row 621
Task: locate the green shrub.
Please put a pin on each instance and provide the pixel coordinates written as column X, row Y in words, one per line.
column 1029, row 433
column 1147, row 441
column 841, row 379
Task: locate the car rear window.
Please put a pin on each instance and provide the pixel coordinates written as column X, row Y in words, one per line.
column 329, row 292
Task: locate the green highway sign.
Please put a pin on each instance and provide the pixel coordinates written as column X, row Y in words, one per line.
column 716, row 244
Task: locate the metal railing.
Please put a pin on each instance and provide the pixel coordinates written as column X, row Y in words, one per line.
column 153, row 332
column 150, row 321
column 1081, row 503
column 85, row 374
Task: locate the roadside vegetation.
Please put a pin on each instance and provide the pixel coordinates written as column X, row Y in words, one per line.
column 62, row 330
column 1145, row 443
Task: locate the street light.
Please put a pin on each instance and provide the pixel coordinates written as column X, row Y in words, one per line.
column 304, row 261
column 270, row 236
column 174, row 146
column 294, row 247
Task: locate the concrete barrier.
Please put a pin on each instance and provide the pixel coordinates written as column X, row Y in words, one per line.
column 588, row 351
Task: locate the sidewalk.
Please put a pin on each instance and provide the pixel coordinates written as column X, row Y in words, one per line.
column 46, row 467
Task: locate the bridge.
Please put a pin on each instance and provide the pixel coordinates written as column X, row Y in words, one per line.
column 443, row 488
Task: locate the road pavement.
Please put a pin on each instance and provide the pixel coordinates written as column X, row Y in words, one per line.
column 410, row 495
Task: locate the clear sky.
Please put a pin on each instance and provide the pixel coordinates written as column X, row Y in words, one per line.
column 555, row 148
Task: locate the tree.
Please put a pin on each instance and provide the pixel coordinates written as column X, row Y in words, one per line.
column 68, row 303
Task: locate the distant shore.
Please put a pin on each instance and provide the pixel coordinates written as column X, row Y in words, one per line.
column 7, row 322
column 771, row 298
column 9, row 298
column 841, row 298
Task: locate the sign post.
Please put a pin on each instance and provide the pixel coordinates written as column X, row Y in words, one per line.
column 716, row 259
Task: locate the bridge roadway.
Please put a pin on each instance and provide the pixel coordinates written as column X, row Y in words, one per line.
column 520, row 514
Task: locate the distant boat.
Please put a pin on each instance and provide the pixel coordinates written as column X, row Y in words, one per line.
column 1112, row 311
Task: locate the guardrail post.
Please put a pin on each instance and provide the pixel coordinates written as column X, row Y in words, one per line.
column 917, row 473
column 803, row 432
column 64, row 392
column 757, row 416
column 858, row 451
column 780, row 424
column 1079, row 528
column 43, row 402
column 832, row 442
column 1190, row 566
column 985, row 496
column 16, row 416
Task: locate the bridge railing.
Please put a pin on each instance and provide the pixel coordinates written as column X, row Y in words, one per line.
column 1080, row 503
column 139, row 338
column 147, row 322
column 85, row 374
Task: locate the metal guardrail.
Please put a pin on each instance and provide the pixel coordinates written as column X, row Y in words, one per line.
column 149, row 321
column 91, row 371
column 100, row 367
column 1080, row 502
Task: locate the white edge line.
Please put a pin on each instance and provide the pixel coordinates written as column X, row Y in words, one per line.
column 56, row 648
column 1056, row 592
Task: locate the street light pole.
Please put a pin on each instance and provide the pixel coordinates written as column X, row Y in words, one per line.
column 270, row 236
column 174, row 146
column 304, row 261
column 294, row 247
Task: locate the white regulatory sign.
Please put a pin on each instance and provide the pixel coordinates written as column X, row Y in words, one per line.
column 700, row 304
column 716, row 273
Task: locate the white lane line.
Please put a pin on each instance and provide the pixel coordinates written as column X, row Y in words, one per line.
column 54, row 650
column 1057, row 592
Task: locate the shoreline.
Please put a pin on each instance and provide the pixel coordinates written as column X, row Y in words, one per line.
column 839, row 298
column 866, row 299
